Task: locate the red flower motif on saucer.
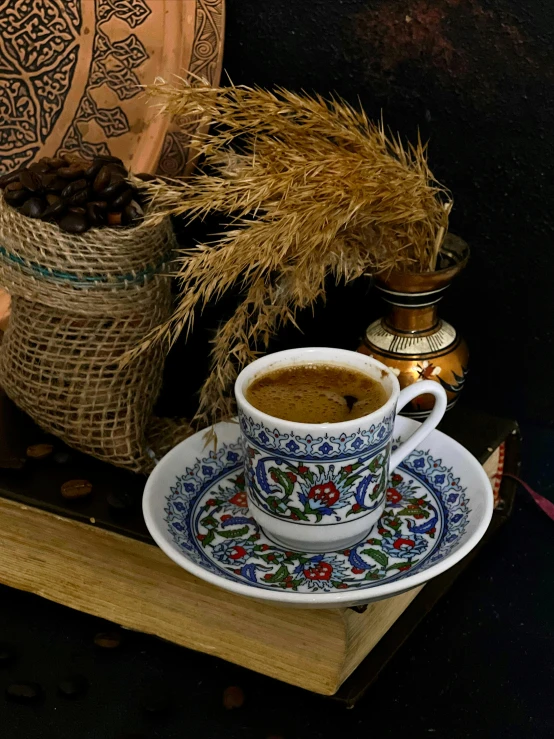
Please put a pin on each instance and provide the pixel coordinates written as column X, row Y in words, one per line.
column 320, row 571
column 393, row 496
column 239, row 499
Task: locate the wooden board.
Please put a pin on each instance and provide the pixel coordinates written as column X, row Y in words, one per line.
column 135, row 585
column 91, row 557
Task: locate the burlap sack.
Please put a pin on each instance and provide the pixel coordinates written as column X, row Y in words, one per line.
column 79, row 303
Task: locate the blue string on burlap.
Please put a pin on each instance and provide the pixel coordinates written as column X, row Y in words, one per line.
column 132, row 277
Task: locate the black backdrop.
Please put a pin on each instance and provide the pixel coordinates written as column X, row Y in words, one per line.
column 476, row 78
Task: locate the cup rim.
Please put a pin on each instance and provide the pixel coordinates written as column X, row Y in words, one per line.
column 267, row 360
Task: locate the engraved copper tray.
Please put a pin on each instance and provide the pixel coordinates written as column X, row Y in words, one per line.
column 70, row 72
column 70, row 76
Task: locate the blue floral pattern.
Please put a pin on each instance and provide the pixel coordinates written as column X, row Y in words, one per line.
column 317, row 448
column 206, row 511
column 313, row 479
column 308, row 492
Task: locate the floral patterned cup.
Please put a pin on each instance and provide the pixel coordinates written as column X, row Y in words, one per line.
column 322, row 487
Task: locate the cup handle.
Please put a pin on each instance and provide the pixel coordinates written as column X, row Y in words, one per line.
column 431, row 422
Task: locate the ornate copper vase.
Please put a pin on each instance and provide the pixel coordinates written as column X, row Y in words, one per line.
column 411, row 338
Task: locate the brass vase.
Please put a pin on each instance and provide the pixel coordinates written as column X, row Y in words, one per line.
column 411, row 338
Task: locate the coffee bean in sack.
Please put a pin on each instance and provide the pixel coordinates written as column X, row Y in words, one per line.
column 15, row 194
column 55, row 208
column 75, row 193
column 8, row 178
column 31, row 180
column 33, row 208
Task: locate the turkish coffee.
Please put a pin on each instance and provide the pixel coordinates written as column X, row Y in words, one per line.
column 316, row 393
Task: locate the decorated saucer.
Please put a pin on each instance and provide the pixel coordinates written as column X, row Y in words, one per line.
column 439, row 505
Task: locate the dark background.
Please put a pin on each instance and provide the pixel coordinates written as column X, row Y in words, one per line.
column 476, row 78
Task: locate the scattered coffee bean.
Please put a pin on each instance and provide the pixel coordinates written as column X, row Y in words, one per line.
column 39, row 451
column 7, row 655
column 120, row 499
column 8, row 178
column 24, row 692
column 30, row 180
column 76, row 489
column 115, row 219
column 33, row 208
column 74, row 187
column 79, row 211
column 73, row 223
column 108, row 639
column 73, row 686
column 233, row 697
column 62, row 457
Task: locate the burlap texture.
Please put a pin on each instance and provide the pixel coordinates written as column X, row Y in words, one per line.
column 79, row 303
column 99, row 272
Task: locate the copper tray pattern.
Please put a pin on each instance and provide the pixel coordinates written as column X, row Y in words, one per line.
column 70, row 72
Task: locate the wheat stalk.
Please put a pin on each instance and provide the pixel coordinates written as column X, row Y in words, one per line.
column 313, row 187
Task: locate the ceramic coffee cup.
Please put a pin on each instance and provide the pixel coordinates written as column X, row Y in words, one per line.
column 322, row 487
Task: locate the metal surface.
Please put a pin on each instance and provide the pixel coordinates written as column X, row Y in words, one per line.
column 412, row 339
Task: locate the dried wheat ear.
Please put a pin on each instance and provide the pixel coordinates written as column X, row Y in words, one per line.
column 314, row 189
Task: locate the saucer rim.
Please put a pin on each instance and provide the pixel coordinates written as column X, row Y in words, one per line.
column 328, row 598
